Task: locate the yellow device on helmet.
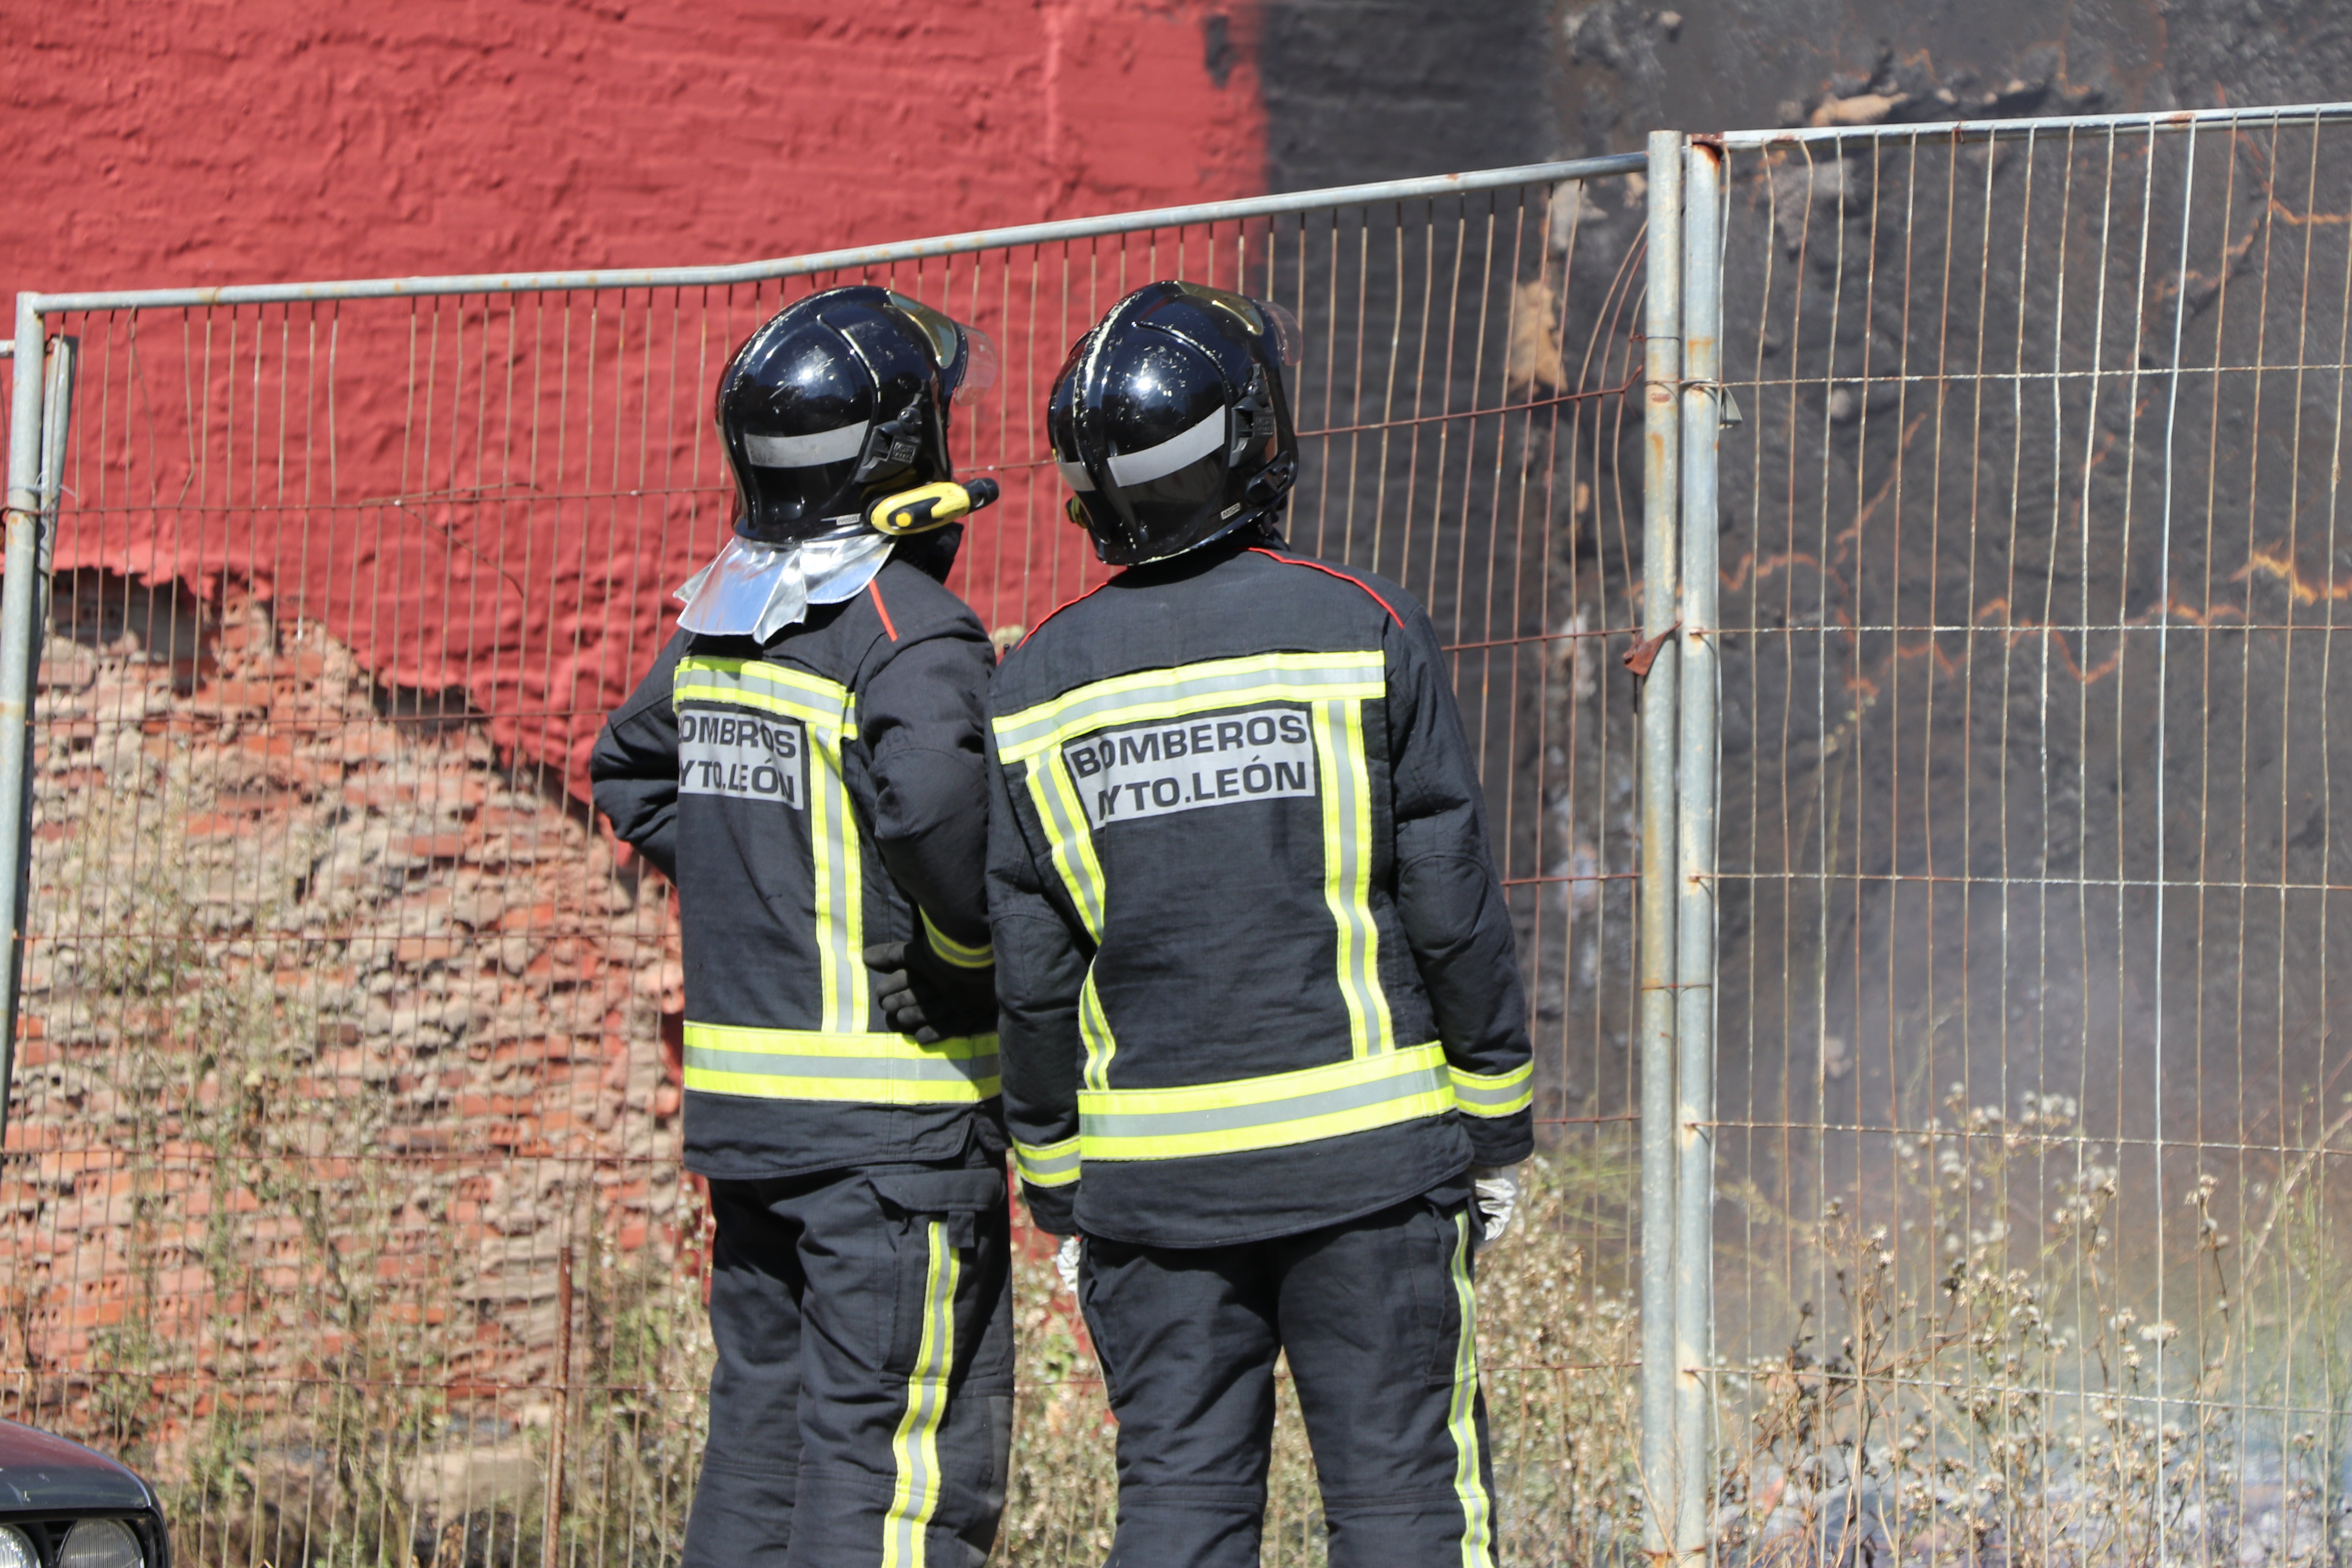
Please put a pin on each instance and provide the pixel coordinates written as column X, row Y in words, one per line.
column 927, row 507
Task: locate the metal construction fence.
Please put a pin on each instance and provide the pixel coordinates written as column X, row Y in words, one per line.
column 1921, row 871
column 2030, row 1241
column 343, row 1187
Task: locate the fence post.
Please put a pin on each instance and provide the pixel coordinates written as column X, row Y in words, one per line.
column 1702, row 414
column 1662, row 330
column 19, row 630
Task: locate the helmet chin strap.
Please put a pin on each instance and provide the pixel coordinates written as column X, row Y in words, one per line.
column 1266, row 527
column 1267, row 487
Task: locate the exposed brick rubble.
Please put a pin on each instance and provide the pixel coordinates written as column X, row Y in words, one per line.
column 308, row 955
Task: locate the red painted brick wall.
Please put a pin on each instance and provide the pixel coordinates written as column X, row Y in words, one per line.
column 155, row 142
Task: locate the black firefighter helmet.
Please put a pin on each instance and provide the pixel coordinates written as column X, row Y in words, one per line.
column 1171, row 422
column 841, row 397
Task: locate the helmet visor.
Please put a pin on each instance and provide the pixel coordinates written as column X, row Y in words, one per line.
column 1289, row 342
column 1264, row 319
column 966, row 356
column 979, row 365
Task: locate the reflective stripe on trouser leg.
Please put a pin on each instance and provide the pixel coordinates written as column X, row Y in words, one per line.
column 1375, row 1326
column 872, row 1346
column 1462, row 1415
column 914, row 1451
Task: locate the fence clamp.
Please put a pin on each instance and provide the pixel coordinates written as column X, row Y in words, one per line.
column 1643, row 654
column 1727, row 404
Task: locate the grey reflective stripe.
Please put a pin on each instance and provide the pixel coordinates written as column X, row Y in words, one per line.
column 1065, row 832
column 1429, row 1080
column 1094, row 1028
column 838, row 882
column 1041, row 1164
column 844, row 930
column 1469, row 1089
column 1074, row 475
column 1344, row 803
column 885, row 1070
column 1157, row 462
column 1020, row 730
column 824, row 701
column 805, row 451
column 913, row 1449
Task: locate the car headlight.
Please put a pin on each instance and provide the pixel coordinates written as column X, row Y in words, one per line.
column 17, row 1548
column 102, row 1543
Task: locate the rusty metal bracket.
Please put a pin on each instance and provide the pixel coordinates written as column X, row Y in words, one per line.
column 1643, row 654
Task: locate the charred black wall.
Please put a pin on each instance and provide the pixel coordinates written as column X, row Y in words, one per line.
column 1629, row 66
column 1375, row 90
column 1365, row 89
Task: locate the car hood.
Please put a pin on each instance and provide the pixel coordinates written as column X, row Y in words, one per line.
column 39, row 1472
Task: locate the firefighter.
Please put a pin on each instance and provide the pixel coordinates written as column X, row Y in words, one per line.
column 806, row 763
column 1263, row 1036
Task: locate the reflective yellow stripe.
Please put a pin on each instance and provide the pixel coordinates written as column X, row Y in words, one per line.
column 915, row 1450
column 954, row 951
column 1347, row 872
column 1189, row 689
column 1094, row 1028
column 815, row 1064
column 1495, row 1094
column 1071, row 840
column 1462, row 1414
column 1334, row 686
column 1047, row 1166
column 837, row 897
column 840, row 898
column 1268, row 1113
column 771, row 688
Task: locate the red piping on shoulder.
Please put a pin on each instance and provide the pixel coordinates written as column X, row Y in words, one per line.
column 1058, row 609
column 1328, row 571
column 876, row 589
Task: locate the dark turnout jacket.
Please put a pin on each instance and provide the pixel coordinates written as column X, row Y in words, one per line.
column 1255, row 969
column 813, row 797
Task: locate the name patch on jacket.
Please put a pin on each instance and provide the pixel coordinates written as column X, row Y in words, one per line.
column 741, row 755
column 1151, row 770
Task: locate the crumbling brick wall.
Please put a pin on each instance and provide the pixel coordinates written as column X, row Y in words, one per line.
column 343, row 1045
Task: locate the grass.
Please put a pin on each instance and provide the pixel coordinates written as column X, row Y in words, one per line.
column 2007, row 1394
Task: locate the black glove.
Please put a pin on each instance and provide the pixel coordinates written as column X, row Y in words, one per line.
column 924, row 995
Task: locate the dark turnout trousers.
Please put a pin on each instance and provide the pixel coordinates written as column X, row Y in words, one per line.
column 861, row 1407
column 1378, row 1318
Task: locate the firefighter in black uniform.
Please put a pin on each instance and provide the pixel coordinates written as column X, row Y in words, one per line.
column 806, row 761
column 1264, row 1035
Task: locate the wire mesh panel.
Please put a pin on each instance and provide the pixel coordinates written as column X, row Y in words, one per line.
column 2030, row 1090
column 343, row 1161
